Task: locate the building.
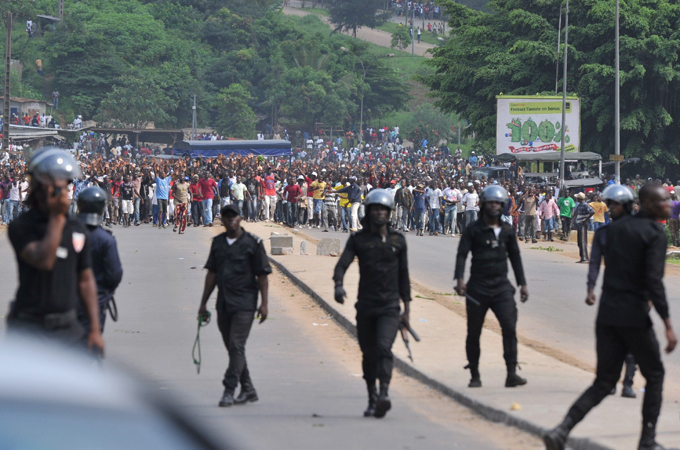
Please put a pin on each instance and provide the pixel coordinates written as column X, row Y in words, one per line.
column 21, row 106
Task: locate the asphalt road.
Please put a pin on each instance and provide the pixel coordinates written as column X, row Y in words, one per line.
column 556, row 314
column 308, row 377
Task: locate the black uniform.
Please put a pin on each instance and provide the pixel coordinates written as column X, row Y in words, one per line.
column 490, row 286
column 46, row 301
column 237, row 267
column 634, row 268
column 107, row 272
column 384, row 278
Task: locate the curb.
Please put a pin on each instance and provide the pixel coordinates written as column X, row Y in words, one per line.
column 486, row 411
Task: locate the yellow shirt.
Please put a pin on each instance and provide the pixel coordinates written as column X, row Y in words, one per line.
column 600, row 208
column 344, row 201
column 319, row 190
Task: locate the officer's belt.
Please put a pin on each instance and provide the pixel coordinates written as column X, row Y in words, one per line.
column 50, row 321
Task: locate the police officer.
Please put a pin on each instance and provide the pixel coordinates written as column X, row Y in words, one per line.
column 53, row 255
column 581, row 217
column 635, row 257
column 384, row 279
column 619, row 200
column 239, row 267
column 105, row 261
column 492, row 242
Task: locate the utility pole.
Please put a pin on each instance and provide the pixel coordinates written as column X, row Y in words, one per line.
column 8, row 61
column 564, row 94
column 617, row 106
column 194, row 125
column 557, row 63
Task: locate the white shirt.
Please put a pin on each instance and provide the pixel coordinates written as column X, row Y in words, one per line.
column 470, row 199
column 24, row 191
column 433, row 197
column 452, row 195
column 14, row 192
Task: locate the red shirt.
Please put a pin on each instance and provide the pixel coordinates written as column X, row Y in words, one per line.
column 292, row 192
column 269, row 185
column 206, row 188
column 195, row 192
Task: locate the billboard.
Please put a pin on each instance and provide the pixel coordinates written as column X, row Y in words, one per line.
column 533, row 124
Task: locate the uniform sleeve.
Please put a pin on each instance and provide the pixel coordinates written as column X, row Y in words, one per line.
column 655, row 263
column 211, row 264
column 21, row 237
column 515, row 259
column 464, row 247
column 345, row 260
column 404, row 279
column 85, row 255
column 595, row 258
column 260, row 261
column 112, row 267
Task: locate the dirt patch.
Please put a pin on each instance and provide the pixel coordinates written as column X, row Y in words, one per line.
column 341, row 346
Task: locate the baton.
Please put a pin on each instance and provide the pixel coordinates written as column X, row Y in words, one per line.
column 404, row 336
column 469, row 297
column 410, row 330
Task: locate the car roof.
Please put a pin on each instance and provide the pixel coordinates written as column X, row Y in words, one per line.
column 32, row 370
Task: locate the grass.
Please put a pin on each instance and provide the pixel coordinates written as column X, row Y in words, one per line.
column 673, row 258
column 547, row 249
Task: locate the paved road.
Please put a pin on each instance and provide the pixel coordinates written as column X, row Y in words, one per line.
column 555, row 315
column 307, row 376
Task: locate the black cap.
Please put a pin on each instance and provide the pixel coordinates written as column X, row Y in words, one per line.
column 230, row 208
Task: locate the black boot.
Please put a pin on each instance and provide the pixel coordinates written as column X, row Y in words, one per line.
column 383, row 404
column 372, row 400
column 556, row 438
column 248, row 394
column 475, row 379
column 648, row 437
column 227, row 398
column 514, row 380
column 628, row 391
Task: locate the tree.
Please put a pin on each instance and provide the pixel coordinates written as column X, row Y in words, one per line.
column 349, row 15
column 512, row 51
column 401, row 38
column 135, row 103
column 429, row 122
column 235, row 116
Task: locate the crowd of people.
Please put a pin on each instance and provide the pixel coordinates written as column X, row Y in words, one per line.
column 322, row 186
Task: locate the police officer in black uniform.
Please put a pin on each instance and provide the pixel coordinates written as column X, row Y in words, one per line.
column 105, row 260
column 619, row 200
column 239, row 267
column 492, row 242
column 384, row 279
column 635, row 258
column 53, row 255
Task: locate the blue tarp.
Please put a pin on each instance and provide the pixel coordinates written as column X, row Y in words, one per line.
column 211, row 149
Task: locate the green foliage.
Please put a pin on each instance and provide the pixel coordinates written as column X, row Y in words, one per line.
column 429, row 122
column 134, row 103
column 513, row 51
column 170, row 50
column 236, row 118
column 401, row 37
column 350, row 15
